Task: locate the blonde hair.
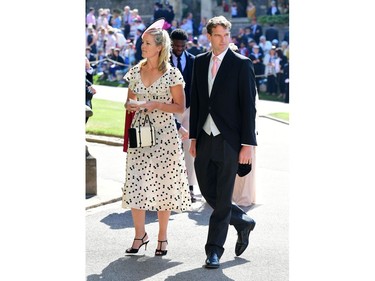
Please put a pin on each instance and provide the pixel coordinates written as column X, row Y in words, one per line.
column 161, row 38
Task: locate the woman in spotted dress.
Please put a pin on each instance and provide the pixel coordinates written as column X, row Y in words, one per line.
column 156, row 178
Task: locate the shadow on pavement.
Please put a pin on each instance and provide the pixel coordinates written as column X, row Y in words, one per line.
column 202, row 213
column 208, row 274
column 142, row 267
column 133, row 268
column 125, row 220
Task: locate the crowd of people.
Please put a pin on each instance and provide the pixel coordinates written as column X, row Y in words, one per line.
column 114, row 43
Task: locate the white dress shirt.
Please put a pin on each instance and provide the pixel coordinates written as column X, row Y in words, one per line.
column 183, row 60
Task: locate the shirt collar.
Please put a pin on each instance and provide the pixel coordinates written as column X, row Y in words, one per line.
column 182, row 55
column 221, row 56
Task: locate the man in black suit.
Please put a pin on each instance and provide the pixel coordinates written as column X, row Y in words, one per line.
column 222, row 131
column 159, row 12
column 184, row 61
column 256, row 30
column 195, row 49
column 272, row 33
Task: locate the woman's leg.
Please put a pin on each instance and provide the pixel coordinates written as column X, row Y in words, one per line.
column 139, row 218
column 163, row 217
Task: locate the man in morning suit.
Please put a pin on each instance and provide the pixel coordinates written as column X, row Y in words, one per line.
column 183, row 60
column 222, row 131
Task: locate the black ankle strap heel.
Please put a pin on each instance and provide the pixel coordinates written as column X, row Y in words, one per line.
column 160, row 252
column 133, row 250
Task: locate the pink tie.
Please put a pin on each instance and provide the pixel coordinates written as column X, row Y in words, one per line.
column 215, row 66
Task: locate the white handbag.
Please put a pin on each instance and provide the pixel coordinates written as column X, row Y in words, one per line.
column 142, row 135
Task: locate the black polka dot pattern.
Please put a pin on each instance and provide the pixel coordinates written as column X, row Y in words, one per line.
column 156, row 178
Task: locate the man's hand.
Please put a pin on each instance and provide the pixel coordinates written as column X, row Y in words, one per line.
column 245, row 155
column 192, row 148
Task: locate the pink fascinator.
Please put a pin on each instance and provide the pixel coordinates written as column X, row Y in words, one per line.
column 158, row 24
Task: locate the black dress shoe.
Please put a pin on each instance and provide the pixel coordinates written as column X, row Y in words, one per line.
column 212, row 261
column 243, row 239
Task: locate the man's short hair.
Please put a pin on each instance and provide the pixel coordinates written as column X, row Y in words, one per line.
column 179, row 34
column 215, row 21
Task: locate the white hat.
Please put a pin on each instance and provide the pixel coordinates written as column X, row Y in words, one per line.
column 158, row 24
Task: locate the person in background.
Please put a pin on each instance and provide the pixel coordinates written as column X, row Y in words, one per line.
column 273, row 9
column 90, row 90
column 272, row 33
column 257, row 59
column 202, row 25
column 159, row 12
column 286, row 36
column 250, row 10
column 138, row 44
column 241, row 37
column 129, row 56
column 91, row 39
column 126, row 21
column 203, row 40
column 281, row 60
column 117, row 65
column 286, row 77
column 111, row 41
column 169, row 14
column 90, row 18
column 116, row 21
column 102, row 21
column 270, row 71
column 188, row 24
column 243, row 50
column 184, row 61
column 222, row 132
column 156, row 178
column 90, row 56
column 275, row 43
column 225, row 6
column 248, row 34
column 264, row 45
column 195, row 48
column 285, row 48
column 101, row 39
column 234, row 9
column 256, row 29
column 137, row 24
column 100, row 58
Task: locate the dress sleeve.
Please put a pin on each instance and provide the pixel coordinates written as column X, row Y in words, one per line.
column 176, row 77
column 131, row 76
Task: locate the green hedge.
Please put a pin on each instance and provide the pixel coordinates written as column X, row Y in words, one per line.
column 276, row 19
column 103, row 82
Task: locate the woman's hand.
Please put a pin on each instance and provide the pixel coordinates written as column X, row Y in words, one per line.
column 132, row 107
column 151, row 105
column 184, row 133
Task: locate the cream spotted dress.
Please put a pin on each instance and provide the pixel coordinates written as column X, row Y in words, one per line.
column 156, row 178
